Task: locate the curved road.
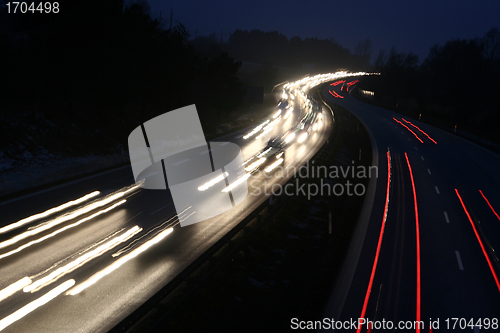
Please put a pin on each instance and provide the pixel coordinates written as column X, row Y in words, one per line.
column 425, row 259
column 116, row 294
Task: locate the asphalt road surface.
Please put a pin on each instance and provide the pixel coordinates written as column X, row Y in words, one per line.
column 442, row 265
column 84, row 246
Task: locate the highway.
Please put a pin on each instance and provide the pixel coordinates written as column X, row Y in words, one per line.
column 86, row 270
column 427, row 248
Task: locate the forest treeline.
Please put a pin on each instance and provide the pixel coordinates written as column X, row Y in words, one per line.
column 457, row 84
column 82, row 79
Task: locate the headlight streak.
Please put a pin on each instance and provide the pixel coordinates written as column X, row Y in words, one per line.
column 68, row 268
column 170, row 223
column 277, row 114
column 14, row 287
column 264, row 152
column 274, row 165
column 255, row 130
column 302, row 137
column 99, row 275
column 212, row 182
column 255, row 164
column 237, row 182
column 52, row 223
column 268, row 128
column 30, row 307
column 61, row 230
column 290, row 137
column 288, row 112
column 51, row 211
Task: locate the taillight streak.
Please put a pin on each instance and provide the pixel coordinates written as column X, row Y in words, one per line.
column 418, row 242
column 379, row 245
column 479, row 240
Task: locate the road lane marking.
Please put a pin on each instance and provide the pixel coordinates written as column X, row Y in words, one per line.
column 446, row 217
column 429, row 171
column 437, row 190
column 415, row 147
column 460, row 265
column 422, row 158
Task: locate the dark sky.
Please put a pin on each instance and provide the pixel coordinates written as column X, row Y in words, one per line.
column 406, row 24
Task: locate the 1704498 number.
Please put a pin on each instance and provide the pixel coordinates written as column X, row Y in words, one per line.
column 31, row 7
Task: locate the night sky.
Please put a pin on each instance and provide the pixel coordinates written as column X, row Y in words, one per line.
column 410, row 26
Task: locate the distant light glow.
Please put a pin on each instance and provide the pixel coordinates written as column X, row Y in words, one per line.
column 290, row 137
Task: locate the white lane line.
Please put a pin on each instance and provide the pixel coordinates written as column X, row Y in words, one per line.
column 437, row 190
column 446, row 217
column 402, row 133
column 238, row 136
column 409, row 139
column 156, row 211
column 460, row 266
column 429, row 171
column 415, row 147
column 422, row 158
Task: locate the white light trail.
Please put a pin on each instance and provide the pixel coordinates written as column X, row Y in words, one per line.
column 274, row 165
column 68, row 268
column 290, row 137
column 212, row 182
column 51, row 211
column 10, row 290
column 61, row 230
column 67, row 217
column 99, row 275
column 255, row 164
column 236, row 183
column 302, row 137
column 30, row 307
